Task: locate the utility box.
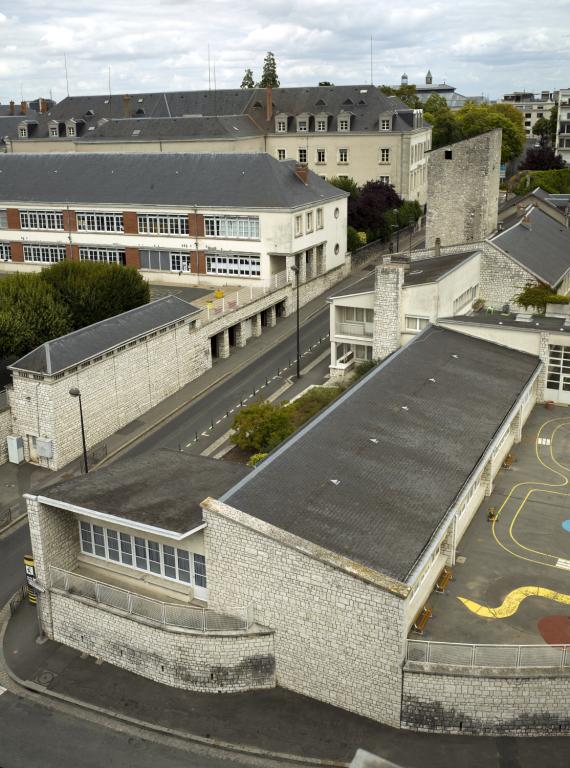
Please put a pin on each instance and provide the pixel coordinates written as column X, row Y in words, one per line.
column 44, row 448
column 15, row 449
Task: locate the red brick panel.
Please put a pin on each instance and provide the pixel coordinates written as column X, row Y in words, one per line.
column 132, row 258
column 130, row 223
column 17, row 250
column 69, row 221
column 198, row 262
column 13, row 217
column 196, row 224
column 72, row 252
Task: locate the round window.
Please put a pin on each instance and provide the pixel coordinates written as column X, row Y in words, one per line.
column 336, row 213
column 336, row 248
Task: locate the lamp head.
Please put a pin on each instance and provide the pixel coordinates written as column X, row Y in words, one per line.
column 74, row 392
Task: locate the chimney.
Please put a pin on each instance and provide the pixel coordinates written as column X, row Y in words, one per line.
column 302, row 173
column 437, row 247
column 23, row 107
column 525, row 221
column 126, row 105
column 269, row 103
column 11, row 108
column 43, row 106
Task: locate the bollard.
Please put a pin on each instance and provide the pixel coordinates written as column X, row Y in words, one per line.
column 211, row 422
column 196, row 437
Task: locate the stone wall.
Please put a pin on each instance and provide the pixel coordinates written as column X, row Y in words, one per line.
column 389, row 282
column 463, row 189
column 501, row 279
column 196, row 661
column 5, row 430
column 338, row 638
column 528, row 702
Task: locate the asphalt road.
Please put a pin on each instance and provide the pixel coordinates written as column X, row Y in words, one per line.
column 13, row 547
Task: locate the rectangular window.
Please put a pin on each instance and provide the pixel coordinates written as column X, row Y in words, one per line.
column 281, row 126
column 248, row 266
column 465, row 298
column 71, row 130
column 298, row 226
column 169, row 561
column 140, row 553
column 281, row 154
column 309, row 221
column 302, row 154
column 384, row 155
column 416, row 324
column 94, row 221
column 199, row 570
column 109, row 255
column 321, row 125
column 232, row 227
column 321, row 156
column 46, row 254
column 320, row 218
column 113, row 545
column 343, row 155
column 343, row 124
column 384, row 125
column 5, row 252
column 302, row 126
column 86, row 538
column 183, row 559
column 41, row 219
column 98, row 541
column 162, row 224
column 154, row 556
column 180, row 262
column 23, row 133
column 126, row 549
column 54, row 132
column 385, row 179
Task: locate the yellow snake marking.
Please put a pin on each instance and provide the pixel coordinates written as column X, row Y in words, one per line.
column 510, row 604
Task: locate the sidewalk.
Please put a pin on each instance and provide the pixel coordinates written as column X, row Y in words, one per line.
column 276, row 721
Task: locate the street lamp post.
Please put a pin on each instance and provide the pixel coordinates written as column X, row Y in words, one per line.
column 296, row 270
column 396, row 226
column 74, row 392
column 412, row 222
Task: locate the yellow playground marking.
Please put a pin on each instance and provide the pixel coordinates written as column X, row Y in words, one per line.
column 510, row 604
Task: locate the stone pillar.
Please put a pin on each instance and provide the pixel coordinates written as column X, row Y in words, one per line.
column 387, row 302
column 256, row 325
column 240, row 334
column 286, row 311
column 290, row 262
column 487, row 478
column 224, row 343
column 321, row 259
column 312, row 262
column 516, row 427
column 302, row 263
column 271, row 317
column 541, row 380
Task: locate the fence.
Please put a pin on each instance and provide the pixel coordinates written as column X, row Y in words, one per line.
column 215, row 308
column 165, row 614
column 479, row 655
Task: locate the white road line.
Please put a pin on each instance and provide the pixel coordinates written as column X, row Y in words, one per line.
column 232, row 410
column 205, row 434
column 2, row 690
column 560, row 563
column 218, row 421
column 543, row 441
column 189, row 444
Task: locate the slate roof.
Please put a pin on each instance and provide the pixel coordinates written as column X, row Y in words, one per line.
column 163, row 490
column 542, row 247
column 236, row 180
column 379, row 503
column 530, row 322
column 149, row 129
column 93, row 340
column 420, row 272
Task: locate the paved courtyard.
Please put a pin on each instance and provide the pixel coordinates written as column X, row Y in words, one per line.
column 512, row 577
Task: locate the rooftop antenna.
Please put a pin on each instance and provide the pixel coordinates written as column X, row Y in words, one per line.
column 109, row 90
column 209, row 70
column 215, row 91
column 21, row 92
column 66, row 75
column 371, row 64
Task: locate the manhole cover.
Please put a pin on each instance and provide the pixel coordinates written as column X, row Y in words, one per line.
column 45, row 677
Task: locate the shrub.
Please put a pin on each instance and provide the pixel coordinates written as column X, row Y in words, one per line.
column 261, row 426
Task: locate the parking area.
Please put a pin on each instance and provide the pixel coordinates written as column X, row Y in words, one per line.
column 187, row 292
column 511, row 581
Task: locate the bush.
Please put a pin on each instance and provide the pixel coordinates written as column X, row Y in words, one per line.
column 261, row 426
column 538, row 296
column 256, row 459
column 309, row 404
column 354, row 239
column 554, row 181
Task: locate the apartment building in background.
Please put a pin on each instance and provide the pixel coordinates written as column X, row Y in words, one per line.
column 532, row 105
column 563, row 125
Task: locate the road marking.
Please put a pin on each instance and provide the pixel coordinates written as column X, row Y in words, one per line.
column 232, row 410
column 543, row 441
column 560, row 563
column 2, row 690
column 512, row 601
column 205, row 434
column 218, row 421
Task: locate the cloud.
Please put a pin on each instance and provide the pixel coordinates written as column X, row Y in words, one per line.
column 489, row 46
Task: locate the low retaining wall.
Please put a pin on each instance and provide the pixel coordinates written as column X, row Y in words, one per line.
column 5, row 430
column 221, row 662
column 498, row 702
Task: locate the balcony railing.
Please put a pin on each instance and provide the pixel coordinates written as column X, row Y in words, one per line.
column 479, row 655
column 165, row 614
column 354, row 329
column 213, row 308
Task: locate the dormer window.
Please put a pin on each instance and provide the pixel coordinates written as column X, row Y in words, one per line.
column 23, row 132
column 343, row 124
column 302, row 126
column 385, row 124
column 321, row 125
column 53, row 132
column 281, row 126
column 71, row 130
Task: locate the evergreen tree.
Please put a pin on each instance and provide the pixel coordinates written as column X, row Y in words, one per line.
column 247, row 81
column 269, row 77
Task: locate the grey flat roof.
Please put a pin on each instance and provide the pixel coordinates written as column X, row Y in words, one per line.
column 379, row 503
column 93, row 340
column 534, row 323
column 237, row 180
column 163, row 490
column 542, row 247
column 419, row 272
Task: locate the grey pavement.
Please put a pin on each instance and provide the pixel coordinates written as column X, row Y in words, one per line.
column 276, row 720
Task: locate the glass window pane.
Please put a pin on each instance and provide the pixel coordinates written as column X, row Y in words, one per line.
column 169, row 561
column 99, row 540
column 140, row 553
column 154, row 556
column 200, row 570
column 183, row 565
column 86, row 541
column 113, row 545
column 126, row 549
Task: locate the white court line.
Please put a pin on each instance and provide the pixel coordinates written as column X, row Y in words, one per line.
column 2, row 690
column 560, row 563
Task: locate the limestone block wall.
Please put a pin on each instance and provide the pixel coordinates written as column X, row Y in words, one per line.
column 196, row 661
column 530, row 702
column 5, row 430
column 463, row 189
column 387, row 310
column 501, row 279
column 338, row 638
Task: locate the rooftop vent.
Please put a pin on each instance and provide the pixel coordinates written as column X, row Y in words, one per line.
column 136, row 132
column 334, row 481
column 455, row 357
column 405, row 408
column 374, row 440
column 432, row 380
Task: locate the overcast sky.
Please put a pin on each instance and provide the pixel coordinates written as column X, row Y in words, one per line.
column 480, row 46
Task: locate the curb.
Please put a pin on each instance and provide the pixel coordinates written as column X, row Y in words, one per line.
column 226, row 746
column 13, row 523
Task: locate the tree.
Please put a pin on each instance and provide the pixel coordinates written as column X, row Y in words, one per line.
column 347, row 184
column 367, row 211
column 406, row 93
column 553, row 124
column 445, row 129
column 260, row 427
column 248, row 81
column 475, row 119
column 269, row 77
column 542, row 129
column 541, row 159
column 30, row 314
column 436, row 106
column 538, row 296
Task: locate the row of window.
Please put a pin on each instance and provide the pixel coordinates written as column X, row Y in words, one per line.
column 558, row 376
column 143, row 554
column 313, row 220
column 109, row 255
column 342, row 155
column 465, row 298
column 361, row 351
column 99, row 222
column 247, row 265
column 321, row 124
column 41, row 219
column 357, row 315
column 234, row 227
column 162, row 224
column 5, row 252
column 415, row 324
column 44, row 254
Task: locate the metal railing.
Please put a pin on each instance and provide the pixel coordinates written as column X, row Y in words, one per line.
column 354, row 329
column 164, row 614
column 481, row 655
column 215, row 308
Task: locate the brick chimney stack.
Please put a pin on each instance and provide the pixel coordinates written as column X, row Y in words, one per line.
column 269, row 103
column 126, row 105
column 11, row 107
column 302, row 173
column 43, row 105
column 23, row 107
